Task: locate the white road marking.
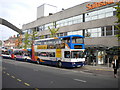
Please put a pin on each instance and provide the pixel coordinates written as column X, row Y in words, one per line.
column 80, row 80
column 12, row 76
column 85, row 72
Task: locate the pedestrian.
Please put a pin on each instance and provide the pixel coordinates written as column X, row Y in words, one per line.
column 115, row 65
column 94, row 59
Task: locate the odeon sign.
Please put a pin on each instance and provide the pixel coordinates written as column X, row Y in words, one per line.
column 100, row 4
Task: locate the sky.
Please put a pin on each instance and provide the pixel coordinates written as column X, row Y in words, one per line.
column 19, row 12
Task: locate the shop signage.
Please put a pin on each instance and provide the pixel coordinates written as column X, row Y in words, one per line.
column 99, row 4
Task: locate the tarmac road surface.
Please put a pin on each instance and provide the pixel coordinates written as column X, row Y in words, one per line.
column 17, row 74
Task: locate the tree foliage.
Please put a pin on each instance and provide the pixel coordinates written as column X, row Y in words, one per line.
column 26, row 41
column 19, row 41
column 42, row 37
column 118, row 21
column 34, row 34
column 53, row 30
column 0, row 43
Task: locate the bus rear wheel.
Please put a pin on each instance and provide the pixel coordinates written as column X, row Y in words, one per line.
column 59, row 64
column 38, row 61
column 25, row 59
column 15, row 58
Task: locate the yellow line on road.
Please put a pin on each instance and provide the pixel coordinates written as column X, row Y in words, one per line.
column 104, row 69
column 19, row 80
column 4, row 72
column 36, row 89
column 27, row 84
column 12, row 76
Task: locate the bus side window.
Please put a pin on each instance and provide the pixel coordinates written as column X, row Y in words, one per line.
column 67, row 54
column 57, row 46
column 51, row 54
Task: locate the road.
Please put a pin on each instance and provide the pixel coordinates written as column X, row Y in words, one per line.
column 17, row 74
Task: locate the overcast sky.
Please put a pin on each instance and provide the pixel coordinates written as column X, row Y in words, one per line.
column 20, row 12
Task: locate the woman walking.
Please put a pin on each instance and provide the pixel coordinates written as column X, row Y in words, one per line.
column 115, row 65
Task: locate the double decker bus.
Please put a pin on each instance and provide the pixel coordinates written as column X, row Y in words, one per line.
column 20, row 54
column 66, row 51
column 6, row 53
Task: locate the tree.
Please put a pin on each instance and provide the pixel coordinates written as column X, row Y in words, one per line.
column 34, row 34
column 0, row 43
column 118, row 21
column 42, row 37
column 26, row 41
column 19, row 41
column 53, row 30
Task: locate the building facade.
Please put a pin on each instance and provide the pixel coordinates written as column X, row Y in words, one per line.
column 94, row 20
column 12, row 42
column 97, row 24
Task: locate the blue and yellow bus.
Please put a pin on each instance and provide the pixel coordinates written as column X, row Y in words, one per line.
column 66, row 51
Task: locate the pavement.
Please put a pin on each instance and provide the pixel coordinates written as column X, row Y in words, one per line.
column 99, row 67
column 98, row 70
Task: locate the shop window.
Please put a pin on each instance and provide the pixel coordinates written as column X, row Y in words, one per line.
column 108, row 30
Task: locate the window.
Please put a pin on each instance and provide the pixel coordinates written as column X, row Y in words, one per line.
column 114, row 13
column 61, row 34
column 66, row 40
column 115, row 30
column 51, row 54
column 77, row 54
column 108, row 30
column 67, row 54
column 77, row 40
column 44, row 54
column 103, row 31
column 107, row 12
column 65, row 34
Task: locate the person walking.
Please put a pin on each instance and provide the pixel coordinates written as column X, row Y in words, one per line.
column 115, row 65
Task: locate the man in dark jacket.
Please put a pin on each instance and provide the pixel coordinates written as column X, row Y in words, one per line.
column 115, row 65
